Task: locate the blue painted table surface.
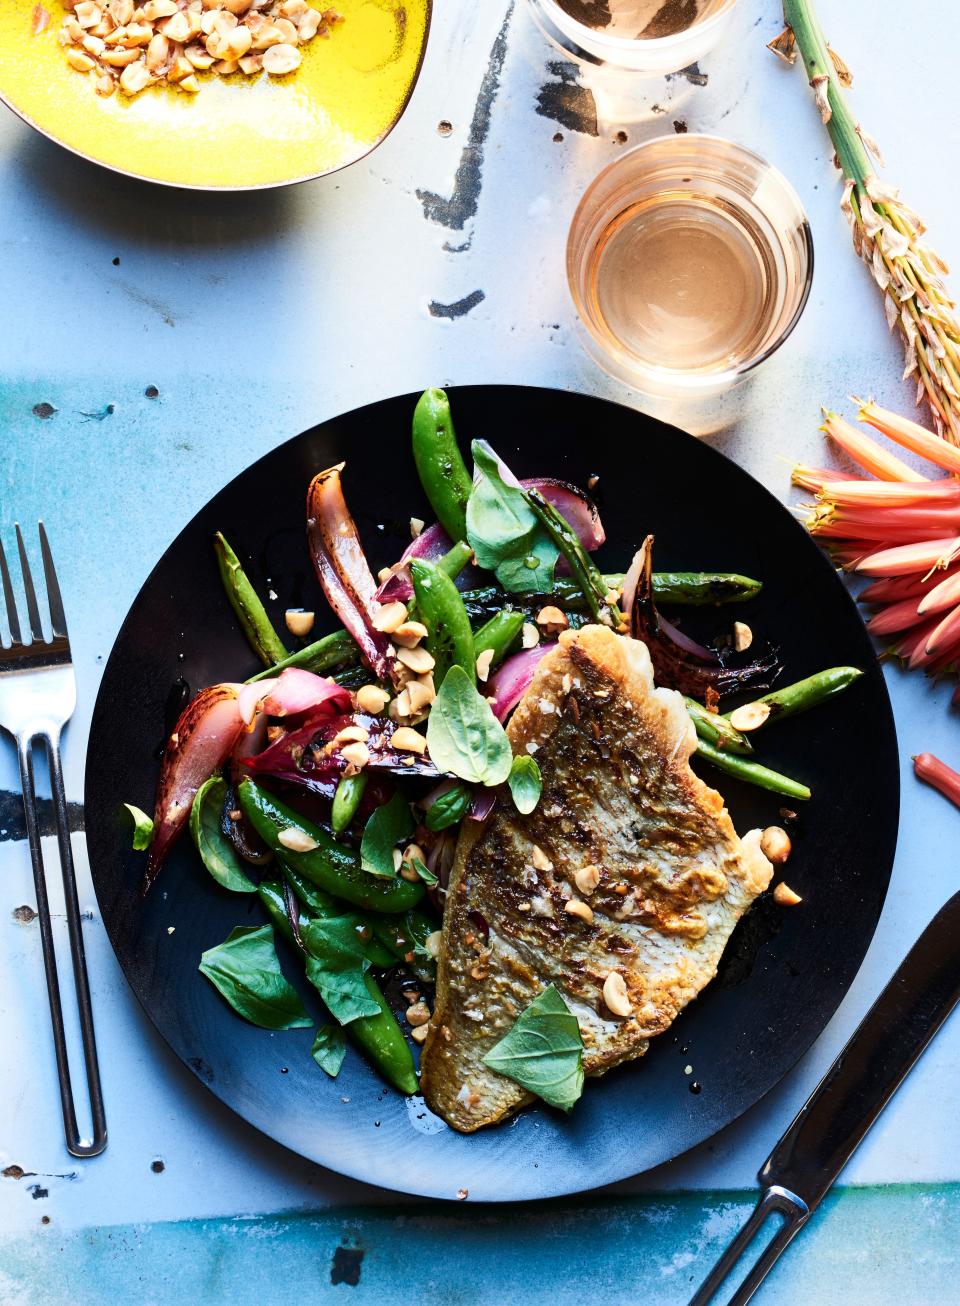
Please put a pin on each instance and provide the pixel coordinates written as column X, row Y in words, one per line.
column 437, row 260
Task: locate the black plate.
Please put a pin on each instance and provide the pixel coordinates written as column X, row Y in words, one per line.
column 785, row 971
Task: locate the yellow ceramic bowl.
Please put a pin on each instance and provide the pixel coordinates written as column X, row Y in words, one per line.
column 238, row 133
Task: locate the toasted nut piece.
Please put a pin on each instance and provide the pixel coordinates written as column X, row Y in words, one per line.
column 298, row 841
column 182, row 27
column 418, row 1014
column 156, row 9
column 420, row 694
column 289, row 33
column 530, row 637
column 189, row 84
column 420, row 1034
column 138, row 34
column 197, row 56
column 264, row 38
column 409, row 633
column 251, row 63
column 158, row 52
column 357, row 754
column 574, row 907
column 432, row 943
column 540, row 859
column 397, row 859
column 105, row 85
column 615, row 994
column 784, row 896
column 587, row 879
column 551, row 620
column 483, row 664
column 406, row 740
column 121, row 11
column 116, row 37
column 73, row 29
column 299, row 622
column 742, row 636
column 372, row 699
column 179, row 69
column 87, row 13
column 103, row 28
column 307, row 24
column 238, row 44
column 775, row 844
column 417, row 659
column 413, row 852
column 389, row 615
column 237, row 7
column 94, row 45
column 400, row 707
column 749, row 717
column 294, row 9
column 226, row 67
column 80, row 61
column 352, row 735
column 281, row 59
column 408, row 873
column 120, row 58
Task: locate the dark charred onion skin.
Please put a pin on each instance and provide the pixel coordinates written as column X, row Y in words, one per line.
column 675, row 667
column 235, row 826
column 343, row 571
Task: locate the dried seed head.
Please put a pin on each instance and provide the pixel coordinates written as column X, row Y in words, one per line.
column 615, row 994
column 784, row 46
column 298, row 841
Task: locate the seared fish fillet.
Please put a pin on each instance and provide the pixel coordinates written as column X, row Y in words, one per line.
column 674, row 878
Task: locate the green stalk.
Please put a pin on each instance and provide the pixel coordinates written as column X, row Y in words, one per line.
column 245, row 601
column 323, row 655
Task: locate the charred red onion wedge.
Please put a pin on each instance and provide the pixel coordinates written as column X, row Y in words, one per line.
column 679, row 662
column 431, row 544
column 343, row 571
column 205, row 735
column 510, row 682
column 578, row 508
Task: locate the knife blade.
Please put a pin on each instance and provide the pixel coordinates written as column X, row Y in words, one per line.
column 835, row 1118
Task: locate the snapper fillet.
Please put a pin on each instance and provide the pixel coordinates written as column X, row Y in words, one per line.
column 618, row 795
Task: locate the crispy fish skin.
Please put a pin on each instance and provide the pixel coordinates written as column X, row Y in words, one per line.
column 618, row 795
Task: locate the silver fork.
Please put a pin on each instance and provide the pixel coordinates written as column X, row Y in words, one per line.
column 38, row 694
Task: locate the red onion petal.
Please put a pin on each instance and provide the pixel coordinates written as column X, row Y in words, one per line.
column 512, row 679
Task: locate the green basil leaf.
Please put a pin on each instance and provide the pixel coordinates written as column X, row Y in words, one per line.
column 329, row 1049
column 337, row 968
column 425, row 873
column 216, row 851
column 504, row 532
column 246, row 972
column 525, row 784
column 543, row 1052
column 142, row 828
column 389, row 825
column 449, row 809
column 463, row 735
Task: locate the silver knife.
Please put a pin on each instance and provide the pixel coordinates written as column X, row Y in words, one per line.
column 832, row 1123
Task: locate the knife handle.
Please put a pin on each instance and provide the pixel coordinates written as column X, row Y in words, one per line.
column 869, row 1070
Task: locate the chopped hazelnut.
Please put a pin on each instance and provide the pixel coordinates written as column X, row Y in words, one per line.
column 742, row 636
column 749, row 717
column 298, row 621
column 775, row 844
column 784, row 896
column 615, row 994
column 551, row 620
column 298, row 841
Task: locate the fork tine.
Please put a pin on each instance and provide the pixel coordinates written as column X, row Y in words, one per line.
column 33, row 612
column 58, row 617
column 12, row 617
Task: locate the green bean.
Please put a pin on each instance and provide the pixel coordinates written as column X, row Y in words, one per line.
column 245, row 601
column 716, row 729
column 328, row 864
column 584, row 573
column 450, row 639
column 346, row 800
column 440, row 465
column 752, row 773
column 701, row 588
column 323, row 655
column 499, row 635
column 808, row 693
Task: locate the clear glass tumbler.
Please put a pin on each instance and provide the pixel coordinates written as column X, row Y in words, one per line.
column 690, row 261
column 643, row 37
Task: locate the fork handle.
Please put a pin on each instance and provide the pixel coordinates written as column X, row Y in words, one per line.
column 75, row 1146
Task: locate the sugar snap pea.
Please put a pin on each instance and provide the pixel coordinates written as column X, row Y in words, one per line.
column 751, row 772
column 323, row 655
column 406, row 938
column 346, row 800
column 808, row 693
column 681, row 588
column 322, row 906
column 328, row 864
column 245, row 601
column 450, row 638
column 440, row 465
column 499, row 634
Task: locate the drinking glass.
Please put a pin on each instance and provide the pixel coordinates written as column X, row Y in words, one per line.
column 690, row 261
